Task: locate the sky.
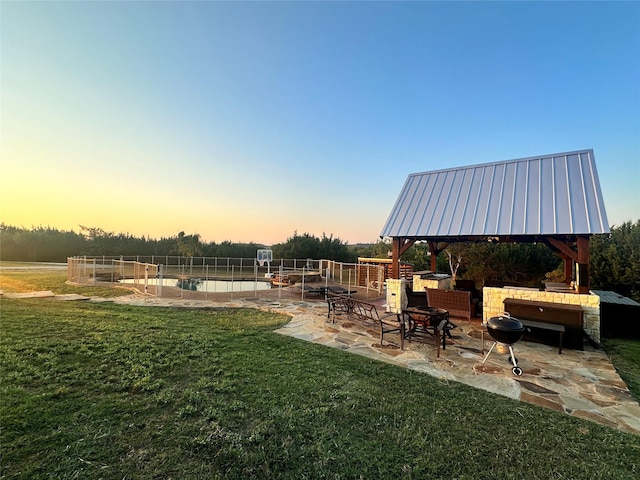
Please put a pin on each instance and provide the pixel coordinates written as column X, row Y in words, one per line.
column 253, row 121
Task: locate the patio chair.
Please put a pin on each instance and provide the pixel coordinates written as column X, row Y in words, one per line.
column 392, row 324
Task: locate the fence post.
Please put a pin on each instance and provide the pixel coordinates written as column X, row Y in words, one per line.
column 255, row 280
column 232, row 280
column 159, row 281
column 206, row 282
column 367, row 280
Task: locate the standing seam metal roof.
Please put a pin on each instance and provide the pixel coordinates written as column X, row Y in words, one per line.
column 556, row 194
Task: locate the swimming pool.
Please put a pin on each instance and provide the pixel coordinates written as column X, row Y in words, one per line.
column 210, row 286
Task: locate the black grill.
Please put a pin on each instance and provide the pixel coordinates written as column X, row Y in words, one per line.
column 506, row 330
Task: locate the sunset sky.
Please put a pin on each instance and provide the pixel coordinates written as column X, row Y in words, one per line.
column 249, row 121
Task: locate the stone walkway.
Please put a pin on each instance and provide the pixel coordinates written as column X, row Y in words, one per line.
column 579, row 383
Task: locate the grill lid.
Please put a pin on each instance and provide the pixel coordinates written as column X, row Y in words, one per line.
column 505, row 323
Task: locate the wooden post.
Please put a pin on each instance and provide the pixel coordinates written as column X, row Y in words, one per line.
column 433, row 248
column 582, row 270
column 568, row 268
column 395, row 257
column 398, row 247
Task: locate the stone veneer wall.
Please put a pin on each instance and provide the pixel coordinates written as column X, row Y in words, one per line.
column 419, row 284
column 493, row 298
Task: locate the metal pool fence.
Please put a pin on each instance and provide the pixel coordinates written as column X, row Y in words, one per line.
column 204, row 277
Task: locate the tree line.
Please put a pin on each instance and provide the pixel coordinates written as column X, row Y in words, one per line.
column 614, row 261
column 48, row 244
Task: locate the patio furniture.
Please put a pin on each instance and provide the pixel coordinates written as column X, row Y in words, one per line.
column 309, row 290
column 365, row 313
column 416, row 299
column 431, row 321
column 337, row 305
column 457, row 302
column 340, row 290
column 545, row 326
column 392, row 323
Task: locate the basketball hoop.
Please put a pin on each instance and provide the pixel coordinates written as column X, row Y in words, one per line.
column 265, row 256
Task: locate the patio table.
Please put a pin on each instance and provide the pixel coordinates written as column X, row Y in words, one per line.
column 431, row 321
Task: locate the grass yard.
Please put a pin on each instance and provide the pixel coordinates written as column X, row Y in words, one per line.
column 110, row 391
column 625, row 355
column 30, row 279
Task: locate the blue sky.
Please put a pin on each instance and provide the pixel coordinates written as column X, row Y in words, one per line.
column 249, row 121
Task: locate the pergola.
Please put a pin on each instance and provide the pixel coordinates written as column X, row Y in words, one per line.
column 554, row 199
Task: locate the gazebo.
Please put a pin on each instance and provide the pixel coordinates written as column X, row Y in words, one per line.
column 554, row 199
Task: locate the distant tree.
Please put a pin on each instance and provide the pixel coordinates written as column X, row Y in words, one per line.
column 334, row 249
column 520, row 263
column 310, row 246
column 227, row 249
column 615, row 260
column 420, row 256
column 188, row 245
column 98, row 241
column 380, row 249
column 40, row 244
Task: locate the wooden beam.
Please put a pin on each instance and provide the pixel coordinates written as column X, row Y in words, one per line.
column 407, row 243
column 562, row 247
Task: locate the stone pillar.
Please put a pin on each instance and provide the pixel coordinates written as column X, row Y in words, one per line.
column 396, row 295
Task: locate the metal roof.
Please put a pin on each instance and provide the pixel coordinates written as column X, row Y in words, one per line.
column 556, row 194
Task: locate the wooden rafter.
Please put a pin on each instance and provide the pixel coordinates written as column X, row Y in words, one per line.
column 563, row 247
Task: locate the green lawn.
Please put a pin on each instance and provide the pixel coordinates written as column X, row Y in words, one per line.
column 625, row 355
column 111, row 391
column 28, row 280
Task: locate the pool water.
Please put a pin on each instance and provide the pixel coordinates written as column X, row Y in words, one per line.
column 210, row 286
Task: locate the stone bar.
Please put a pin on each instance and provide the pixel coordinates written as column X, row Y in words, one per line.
column 493, row 304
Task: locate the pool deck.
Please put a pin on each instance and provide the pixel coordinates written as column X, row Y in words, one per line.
column 582, row 384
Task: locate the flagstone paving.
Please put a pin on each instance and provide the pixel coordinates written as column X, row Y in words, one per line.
column 579, row 383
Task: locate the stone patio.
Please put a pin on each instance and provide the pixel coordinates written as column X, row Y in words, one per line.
column 580, row 383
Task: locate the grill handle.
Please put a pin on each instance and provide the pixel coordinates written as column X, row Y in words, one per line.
column 503, row 314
